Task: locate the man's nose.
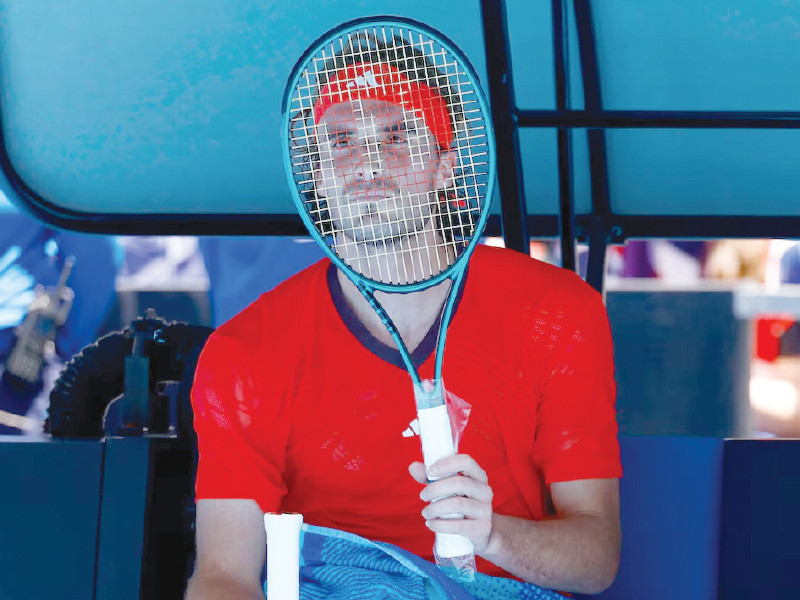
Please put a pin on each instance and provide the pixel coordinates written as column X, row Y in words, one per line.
column 371, row 164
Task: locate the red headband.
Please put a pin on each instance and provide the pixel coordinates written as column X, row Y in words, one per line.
column 383, row 82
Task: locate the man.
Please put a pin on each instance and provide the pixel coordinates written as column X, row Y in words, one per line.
column 302, row 403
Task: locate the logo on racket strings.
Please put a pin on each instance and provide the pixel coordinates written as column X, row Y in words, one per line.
column 365, row 80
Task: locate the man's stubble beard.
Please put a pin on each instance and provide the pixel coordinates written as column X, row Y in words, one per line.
column 387, row 222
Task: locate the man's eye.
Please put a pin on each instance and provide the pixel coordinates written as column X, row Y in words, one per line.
column 396, row 138
column 341, row 142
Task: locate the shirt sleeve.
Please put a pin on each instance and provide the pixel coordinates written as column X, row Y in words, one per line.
column 576, row 431
column 239, row 456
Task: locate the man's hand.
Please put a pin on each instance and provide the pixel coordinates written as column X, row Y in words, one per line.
column 463, row 490
column 577, row 550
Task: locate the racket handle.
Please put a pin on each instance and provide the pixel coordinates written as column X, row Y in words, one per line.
column 436, row 434
column 449, row 546
column 283, row 555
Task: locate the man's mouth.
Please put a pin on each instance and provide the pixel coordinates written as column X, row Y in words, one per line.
column 371, row 195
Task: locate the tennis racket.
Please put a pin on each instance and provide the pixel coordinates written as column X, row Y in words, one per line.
column 389, row 152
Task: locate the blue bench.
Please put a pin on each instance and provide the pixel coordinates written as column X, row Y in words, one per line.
column 703, row 518
column 671, row 499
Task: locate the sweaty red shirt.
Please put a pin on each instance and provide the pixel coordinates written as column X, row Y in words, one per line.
column 298, row 407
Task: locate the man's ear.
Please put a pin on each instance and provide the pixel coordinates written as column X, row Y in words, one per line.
column 445, row 171
column 316, row 174
column 319, row 187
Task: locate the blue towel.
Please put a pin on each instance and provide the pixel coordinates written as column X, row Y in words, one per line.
column 336, row 565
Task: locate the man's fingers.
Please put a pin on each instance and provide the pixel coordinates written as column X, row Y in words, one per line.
column 457, row 485
column 417, row 470
column 467, row 527
column 460, row 498
column 459, row 463
column 464, row 507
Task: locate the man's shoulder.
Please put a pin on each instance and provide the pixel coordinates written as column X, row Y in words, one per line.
column 301, row 283
column 280, row 305
column 508, row 272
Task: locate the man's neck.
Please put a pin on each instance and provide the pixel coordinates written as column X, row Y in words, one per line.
column 413, row 313
column 416, row 257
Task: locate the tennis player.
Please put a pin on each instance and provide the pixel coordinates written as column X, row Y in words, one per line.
column 302, row 403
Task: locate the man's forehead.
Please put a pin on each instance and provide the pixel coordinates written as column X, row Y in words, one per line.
column 367, row 82
column 363, row 113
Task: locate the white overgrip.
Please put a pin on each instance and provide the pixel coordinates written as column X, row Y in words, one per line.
column 436, row 435
column 437, row 442
column 283, row 555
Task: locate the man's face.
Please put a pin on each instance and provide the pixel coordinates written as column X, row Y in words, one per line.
column 379, row 169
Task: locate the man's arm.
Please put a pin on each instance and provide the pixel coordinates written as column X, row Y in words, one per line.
column 576, row 551
column 231, row 550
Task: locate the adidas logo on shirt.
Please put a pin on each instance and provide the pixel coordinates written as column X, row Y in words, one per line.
column 412, row 429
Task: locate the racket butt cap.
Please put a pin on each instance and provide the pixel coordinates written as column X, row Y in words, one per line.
column 449, row 545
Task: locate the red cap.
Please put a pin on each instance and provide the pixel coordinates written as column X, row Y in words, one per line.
column 381, row 81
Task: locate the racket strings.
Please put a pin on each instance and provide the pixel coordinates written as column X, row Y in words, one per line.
column 384, row 209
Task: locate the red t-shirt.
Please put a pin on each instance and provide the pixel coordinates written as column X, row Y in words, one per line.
column 298, row 407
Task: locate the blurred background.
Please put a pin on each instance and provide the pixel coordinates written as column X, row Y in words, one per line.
column 726, row 304
column 650, row 146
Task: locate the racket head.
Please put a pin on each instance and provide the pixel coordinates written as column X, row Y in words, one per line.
column 389, row 75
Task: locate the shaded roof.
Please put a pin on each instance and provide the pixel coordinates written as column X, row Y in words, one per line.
column 155, row 117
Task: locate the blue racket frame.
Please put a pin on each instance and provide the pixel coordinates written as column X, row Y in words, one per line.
column 366, row 286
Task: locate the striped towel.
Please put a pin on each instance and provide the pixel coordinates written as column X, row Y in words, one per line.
column 336, row 565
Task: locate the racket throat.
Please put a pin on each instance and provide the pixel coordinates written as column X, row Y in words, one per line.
column 429, row 393
column 407, row 318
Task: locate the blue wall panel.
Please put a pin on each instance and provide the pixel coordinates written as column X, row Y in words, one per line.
column 49, row 506
column 671, row 494
column 760, row 551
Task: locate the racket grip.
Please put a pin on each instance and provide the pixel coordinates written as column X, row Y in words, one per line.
column 436, row 434
column 283, row 555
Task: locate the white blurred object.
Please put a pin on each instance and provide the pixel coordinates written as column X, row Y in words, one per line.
column 673, row 265
column 772, row 269
column 158, row 263
column 16, row 289
column 283, row 555
column 774, row 397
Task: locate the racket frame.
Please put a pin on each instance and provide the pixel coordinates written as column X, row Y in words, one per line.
column 366, row 286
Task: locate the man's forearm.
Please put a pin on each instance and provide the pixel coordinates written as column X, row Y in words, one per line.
column 578, row 553
column 220, row 587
